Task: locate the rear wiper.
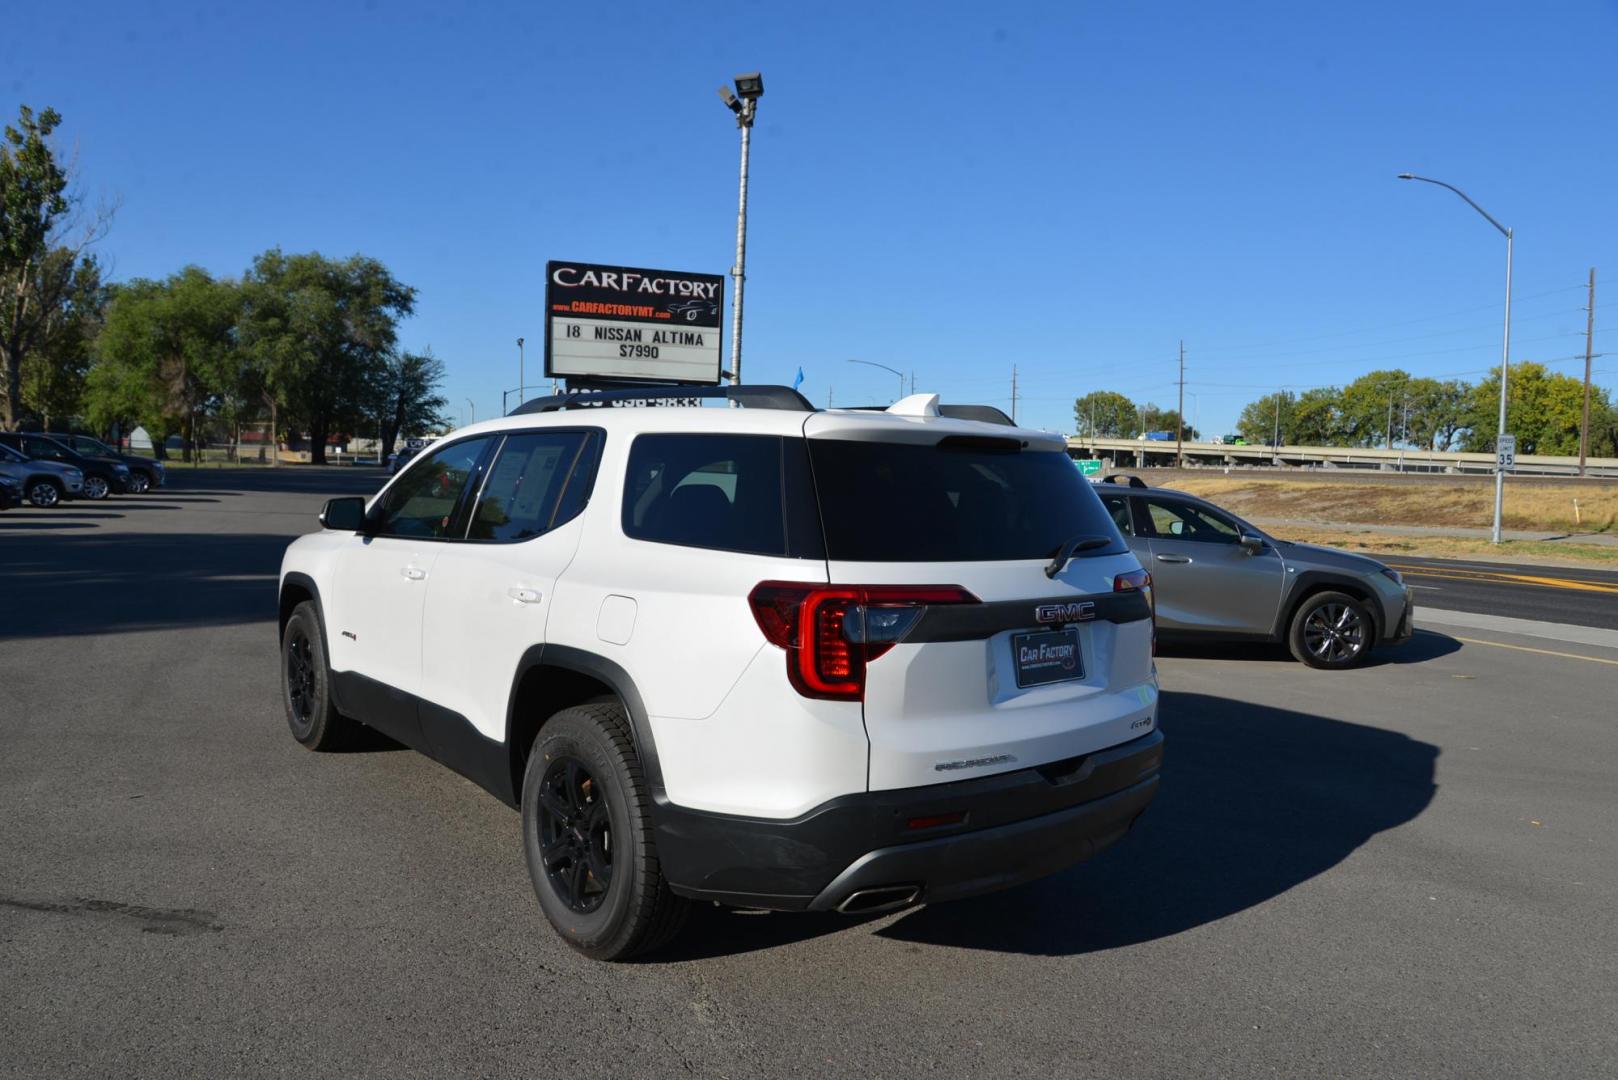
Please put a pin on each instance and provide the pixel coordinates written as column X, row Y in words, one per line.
column 1070, row 548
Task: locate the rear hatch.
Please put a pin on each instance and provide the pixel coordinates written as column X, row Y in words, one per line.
column 971, row 659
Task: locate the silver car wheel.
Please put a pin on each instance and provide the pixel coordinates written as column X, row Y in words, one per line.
column 1334, row 633
column 44, row 493
column 138, row 484
column 95, row 487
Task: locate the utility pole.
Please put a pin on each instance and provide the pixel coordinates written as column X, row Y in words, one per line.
column 1589, row 341
column 1275, row 443
column 1179, row 416
column 1013, row 393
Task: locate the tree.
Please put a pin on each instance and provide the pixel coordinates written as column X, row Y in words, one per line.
column 407, row 396
column 53, row 375
column 42, row 277
column 318, row 331
column 1260, row 419
column 1105, row 413
column 167, row 353
column 1542, row 409
column 1155, row 419
column 1371, row 408
column 1437, row 410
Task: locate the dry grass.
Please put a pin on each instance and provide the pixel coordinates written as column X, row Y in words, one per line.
column 1446, row 547
column 1536, row 505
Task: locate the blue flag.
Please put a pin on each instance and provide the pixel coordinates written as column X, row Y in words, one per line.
column 799, row 380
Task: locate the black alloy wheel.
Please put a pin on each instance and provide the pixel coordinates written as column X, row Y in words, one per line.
column 575, row 835
column 300, row 682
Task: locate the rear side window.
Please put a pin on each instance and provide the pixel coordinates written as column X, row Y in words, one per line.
column 957, row 501
column 727, row 492
column 537, row 482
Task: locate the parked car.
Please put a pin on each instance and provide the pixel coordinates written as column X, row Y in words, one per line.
column 1216, row 576
column 102, row 476
column 10, row 489
column 762, row 656
column 42, row 483
column 144, row 473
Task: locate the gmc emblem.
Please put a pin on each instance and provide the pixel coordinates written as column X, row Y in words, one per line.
column 1064, row 613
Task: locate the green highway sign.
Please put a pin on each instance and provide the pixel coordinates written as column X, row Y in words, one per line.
column 1088, row 466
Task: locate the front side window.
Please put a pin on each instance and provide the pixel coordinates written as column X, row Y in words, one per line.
column 708, row 491
column 48, row 449
column 423, row 502
column 1184, row 521
column 538, row 481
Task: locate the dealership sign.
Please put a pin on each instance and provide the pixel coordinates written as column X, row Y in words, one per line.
column 625, row 324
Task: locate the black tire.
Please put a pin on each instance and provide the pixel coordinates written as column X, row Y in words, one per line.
column 587, row 835
column 45, row 493
column 139, row 483
column 1331, row 630
column 306, row 684
column 97, row 487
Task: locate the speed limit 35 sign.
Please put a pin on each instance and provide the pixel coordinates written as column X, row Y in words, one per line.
column 1505, row 453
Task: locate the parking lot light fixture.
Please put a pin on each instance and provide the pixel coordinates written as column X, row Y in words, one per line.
column 884, row 367
column 744, row 103
column 1505, row 346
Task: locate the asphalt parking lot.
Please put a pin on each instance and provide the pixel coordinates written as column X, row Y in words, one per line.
column 1408, row 869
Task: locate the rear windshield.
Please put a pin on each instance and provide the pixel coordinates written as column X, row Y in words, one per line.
column 954, row 502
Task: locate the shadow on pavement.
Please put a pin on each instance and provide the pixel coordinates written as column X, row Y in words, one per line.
column 1255, row 801
column 104, row 582
column 1424, row 646
column 13, row 526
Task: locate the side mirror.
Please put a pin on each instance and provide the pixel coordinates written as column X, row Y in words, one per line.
column 1251, row 544
column 344, row 515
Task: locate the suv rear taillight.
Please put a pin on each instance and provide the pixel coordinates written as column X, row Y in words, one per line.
column 830, row 632
column 1139, row 581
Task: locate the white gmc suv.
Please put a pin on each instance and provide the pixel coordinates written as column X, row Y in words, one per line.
column 764, row 655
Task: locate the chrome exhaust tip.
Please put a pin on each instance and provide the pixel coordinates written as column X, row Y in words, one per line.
column 876, row 901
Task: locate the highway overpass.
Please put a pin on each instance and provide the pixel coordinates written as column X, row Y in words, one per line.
column 1140, row 453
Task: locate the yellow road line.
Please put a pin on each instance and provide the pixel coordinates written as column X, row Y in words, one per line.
column 1542, row 652
column 1503, row 578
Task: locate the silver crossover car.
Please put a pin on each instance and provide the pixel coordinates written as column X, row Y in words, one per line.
column 1217, row 577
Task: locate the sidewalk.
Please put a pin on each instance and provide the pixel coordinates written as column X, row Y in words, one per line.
column 1603, row 539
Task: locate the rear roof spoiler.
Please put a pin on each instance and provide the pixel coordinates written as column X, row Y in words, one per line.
column 750, row 397
column 983, row 414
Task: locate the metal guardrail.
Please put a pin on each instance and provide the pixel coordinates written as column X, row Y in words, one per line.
column 1154, row 451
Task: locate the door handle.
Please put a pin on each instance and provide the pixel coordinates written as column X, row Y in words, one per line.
column 522, row 595
column 1174, row 558
column 414, row 573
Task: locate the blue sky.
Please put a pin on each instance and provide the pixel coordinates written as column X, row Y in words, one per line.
column 951, row 189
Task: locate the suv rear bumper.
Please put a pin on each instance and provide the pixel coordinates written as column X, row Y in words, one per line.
column 875, row 851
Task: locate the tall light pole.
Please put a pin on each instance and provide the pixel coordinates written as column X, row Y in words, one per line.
column 744, row 103
column 884, row 367
column 473, row 413
column 1505, row 346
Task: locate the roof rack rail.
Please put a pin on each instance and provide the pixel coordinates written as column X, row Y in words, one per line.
column 1127, row 478
column 750, row 397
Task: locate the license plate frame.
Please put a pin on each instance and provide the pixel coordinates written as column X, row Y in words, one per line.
column 1057, row 656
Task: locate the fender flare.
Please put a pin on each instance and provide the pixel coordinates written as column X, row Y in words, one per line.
column 1308, row 581
column 307, row 583
column 603, row 671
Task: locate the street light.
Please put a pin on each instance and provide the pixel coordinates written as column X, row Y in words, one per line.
column 473, row 413
column 522, row 380
column 744, row 103
column 884, row 367
column 1505, row 347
